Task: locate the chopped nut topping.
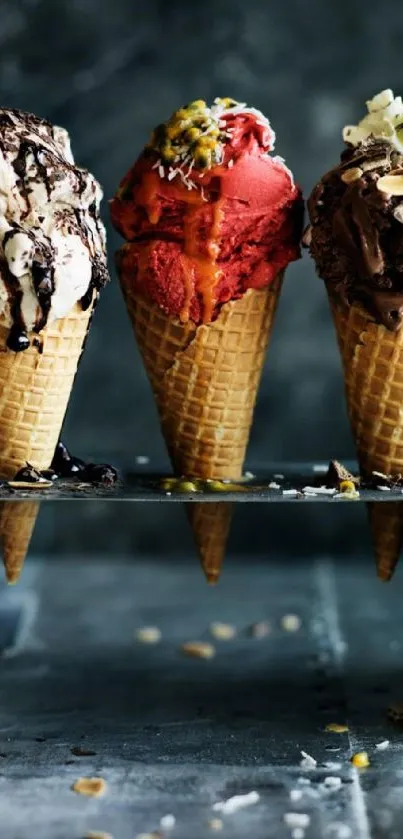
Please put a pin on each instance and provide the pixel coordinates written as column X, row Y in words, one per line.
column 215, row 824
column 92, row 787
column 351, row 175
column 198, row 649
column 222, row 631
column 360, row 760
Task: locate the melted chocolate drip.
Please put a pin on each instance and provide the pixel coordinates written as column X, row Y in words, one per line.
column 17, row 339
column 66, row 465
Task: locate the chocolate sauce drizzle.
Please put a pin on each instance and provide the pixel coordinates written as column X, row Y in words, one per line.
column 66, row 465
column 25, row 138
column 355, row 236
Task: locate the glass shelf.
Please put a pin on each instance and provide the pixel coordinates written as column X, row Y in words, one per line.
column 272, row 483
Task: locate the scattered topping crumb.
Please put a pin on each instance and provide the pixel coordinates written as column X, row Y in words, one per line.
column 77, row 751
column 291, row 492
column 340, row 831
column 237, row 802
column 295, row 795
column 383, row 745
column 395, row 711
column 260, row 629
column 215, row 824
column 279, row 476
column 360, row 760
column 334, row 765
column 347, row 486
column 148, row 634
column 322, row 490
column 198, row 649
column 301, row 820
column 291, row 623
column 168, row 822
column 298, row 833
column 320, row 468
column 336, row 728
column 307, row 762
column 97, row 834
column 142, row 459
column 92, row 787
column 222, row 631
column 337, row 473
column 332, row 782
column 154, row 835
column 273, row 485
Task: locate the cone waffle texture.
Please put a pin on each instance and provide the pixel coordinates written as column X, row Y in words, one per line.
column 373, row 373
column 205, row 380
column 34, row 392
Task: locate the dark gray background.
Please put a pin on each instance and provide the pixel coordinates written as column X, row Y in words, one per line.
column 109, row 71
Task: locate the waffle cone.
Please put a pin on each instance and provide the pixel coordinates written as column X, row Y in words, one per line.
column 373, row 373
column 205, row 380
column 34, row 392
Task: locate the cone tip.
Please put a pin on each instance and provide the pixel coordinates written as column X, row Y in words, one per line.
column 384, row 574
column 212, row 577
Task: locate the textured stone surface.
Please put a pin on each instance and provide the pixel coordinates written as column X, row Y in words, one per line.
column 172, row 734
column 109, row 72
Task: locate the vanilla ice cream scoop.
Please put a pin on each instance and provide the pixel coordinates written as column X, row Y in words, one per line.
column 52, row 240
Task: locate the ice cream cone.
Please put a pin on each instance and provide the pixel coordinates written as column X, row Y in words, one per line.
column 35, row 387
column 205, row 380
column 373, row 372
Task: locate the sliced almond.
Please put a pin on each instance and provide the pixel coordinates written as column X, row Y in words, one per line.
column 398, row 213
column 351, row 175
column 391, row 184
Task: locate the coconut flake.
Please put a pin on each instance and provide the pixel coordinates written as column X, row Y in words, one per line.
column 237, row 802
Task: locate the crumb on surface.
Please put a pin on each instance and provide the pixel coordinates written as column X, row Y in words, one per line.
column 291, row 623
column 360, row 760
column 236, row 802
column 168, row 822
column 307, row 762
column 395, row 711
column 336, row 728
column 148, row 634
column 215, row 824
column 92, row 787
column 383, row 745
column 260, row 629
column 295, row 820
column 97, row 834
column 198, row 649
column 222, row 631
